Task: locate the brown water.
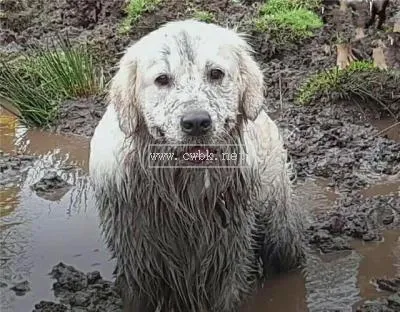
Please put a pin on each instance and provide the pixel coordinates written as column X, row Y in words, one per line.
column 36, row 234
column 388, row 127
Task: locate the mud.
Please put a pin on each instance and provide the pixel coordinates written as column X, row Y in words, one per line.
column 51, row 186
column 13, row 167
column 337, row 143
column 21, row 288
column 97, row 23
column 342, row 151
column 389, row 304
column 81, row 292
column 81, row 116
column 355, row 217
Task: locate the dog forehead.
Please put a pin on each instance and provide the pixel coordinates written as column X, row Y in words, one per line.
column 198, row 31
column 190, row 42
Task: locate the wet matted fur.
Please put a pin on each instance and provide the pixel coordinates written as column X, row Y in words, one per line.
column 192, row 239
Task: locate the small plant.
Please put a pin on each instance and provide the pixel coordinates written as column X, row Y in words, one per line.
column 38, row 81
column 204, row 16
column 288, row 20
column 277, row 6
column 361, row 80
column 135, row 10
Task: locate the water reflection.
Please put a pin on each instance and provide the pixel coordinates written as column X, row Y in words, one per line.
column 331, row 283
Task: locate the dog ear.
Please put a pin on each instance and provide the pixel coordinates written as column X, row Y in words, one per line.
column 123, row 92
column 252, row 85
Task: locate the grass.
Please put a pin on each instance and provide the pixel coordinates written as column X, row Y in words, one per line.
column 38, row 81
column 135, row 10
column 289, row 20
column 204, row 16
column 276, row 6
column 361, row 80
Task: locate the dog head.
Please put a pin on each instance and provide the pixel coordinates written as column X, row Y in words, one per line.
column 187, row 82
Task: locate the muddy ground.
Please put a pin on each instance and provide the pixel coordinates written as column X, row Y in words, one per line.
column 332, row 140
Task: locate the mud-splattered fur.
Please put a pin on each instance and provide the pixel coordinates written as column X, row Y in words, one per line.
column 193, row 239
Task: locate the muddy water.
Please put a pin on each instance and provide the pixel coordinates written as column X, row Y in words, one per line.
column 37, row 233
column 389, row 127
column 334, row 282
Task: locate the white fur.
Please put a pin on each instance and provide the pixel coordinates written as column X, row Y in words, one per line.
column 141, row 112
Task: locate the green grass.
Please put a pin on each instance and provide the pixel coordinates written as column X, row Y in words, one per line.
column 38, row 81
column 204, row 16
column 289, row 20
column 135, row 10
column 277, row 6
column 361, row 80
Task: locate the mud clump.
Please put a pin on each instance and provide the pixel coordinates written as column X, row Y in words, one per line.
column 332, row 143
column 48, row 306
column 13, row 166
column 78, row 291
column 389, row 304
column 97, row 22
column 51, row 186
column 324, row 241
column 47, row 19
column 80, row 116
column 355, row 217
column 21, row 288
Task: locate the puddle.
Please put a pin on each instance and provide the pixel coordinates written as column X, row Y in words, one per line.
column 380, row 260
column 317, row 194
column 390, row 127
column 286, row 293
column 389, row 187
column 36, row 234
column 334, row 282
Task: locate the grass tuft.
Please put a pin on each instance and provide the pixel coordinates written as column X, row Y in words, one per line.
column 277, row 6
column 135, row 10
column 361, row 81
column 204, row 16
column 289, row 20
column 38, row 81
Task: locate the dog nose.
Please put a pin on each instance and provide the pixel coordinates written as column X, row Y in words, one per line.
column 196, row 122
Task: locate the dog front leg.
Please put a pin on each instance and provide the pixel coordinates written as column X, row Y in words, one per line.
column 133, row 301
column 283, row 247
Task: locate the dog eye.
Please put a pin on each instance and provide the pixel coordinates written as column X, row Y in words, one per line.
column 216, row 74
column 163, row 80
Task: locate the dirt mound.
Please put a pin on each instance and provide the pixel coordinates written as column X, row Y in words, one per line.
column 389, row 304
column 37, row 19
column 79, row 291
column 12, row 167
column 80, row 116
column 355, row 217
column 334, row 142
column 97, row 22
column 51, row 186
column 94, row 22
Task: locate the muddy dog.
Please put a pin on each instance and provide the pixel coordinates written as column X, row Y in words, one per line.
column 192, row 234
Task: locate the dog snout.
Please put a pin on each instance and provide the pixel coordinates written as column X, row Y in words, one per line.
column 196, row 122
